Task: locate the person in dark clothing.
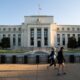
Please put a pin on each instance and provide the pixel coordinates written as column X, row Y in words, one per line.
column 51, row 58
column 61, row 60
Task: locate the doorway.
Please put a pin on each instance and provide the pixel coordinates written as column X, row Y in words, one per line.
column 38, row 43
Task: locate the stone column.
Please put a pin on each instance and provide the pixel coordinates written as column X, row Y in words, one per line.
column 16, row 40
column 61, row 39
column 35, row 37
column 49, row 38
column 11, row 40
column 76, row 36
column 42, row 37
column 66, row 40
column 28, row 37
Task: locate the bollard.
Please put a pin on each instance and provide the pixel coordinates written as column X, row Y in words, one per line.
column 3, row 59
column 37, row 59
column 72, row 58
column 25, row 59
column 14, row 59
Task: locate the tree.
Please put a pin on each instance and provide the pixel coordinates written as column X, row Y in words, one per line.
column 5, row 42
column 78, row 43
column 72, row 43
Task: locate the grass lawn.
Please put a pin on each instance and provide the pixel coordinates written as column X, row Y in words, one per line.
column 12, row 51
column 72, row 51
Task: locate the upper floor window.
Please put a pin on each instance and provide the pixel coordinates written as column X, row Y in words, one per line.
column 14, row 35
column 78, row 29
column 63, row 29
column 14, row 29
column 9, row 29
column 4, row 35
column 32, row 32
column 73, row 35
column 4, row 29
column 19, row 29
column 57, row 29
column 19, row 35
column 73, row 29
column 68, row 29
column 68, row 35
column 8, row 35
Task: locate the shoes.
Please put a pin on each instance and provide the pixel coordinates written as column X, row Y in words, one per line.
column 64, row 73
column 58, row 74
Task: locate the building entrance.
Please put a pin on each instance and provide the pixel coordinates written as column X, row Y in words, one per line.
column 38, row 43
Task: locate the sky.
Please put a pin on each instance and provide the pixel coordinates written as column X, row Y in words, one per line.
column 64, row 11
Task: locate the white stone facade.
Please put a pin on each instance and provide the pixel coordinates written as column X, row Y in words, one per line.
column 39, row 31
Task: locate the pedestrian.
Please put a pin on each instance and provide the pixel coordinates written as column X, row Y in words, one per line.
column 60, row 58
column 52, row 58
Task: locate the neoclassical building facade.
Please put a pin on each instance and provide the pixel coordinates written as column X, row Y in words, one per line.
column 39, row 31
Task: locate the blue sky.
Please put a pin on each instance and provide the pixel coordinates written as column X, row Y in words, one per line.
column 64, row 11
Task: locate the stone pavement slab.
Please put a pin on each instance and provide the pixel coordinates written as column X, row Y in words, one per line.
column 37, row 72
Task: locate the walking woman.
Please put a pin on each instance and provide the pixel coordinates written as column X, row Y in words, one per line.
column 61, row 60
column 52, row 59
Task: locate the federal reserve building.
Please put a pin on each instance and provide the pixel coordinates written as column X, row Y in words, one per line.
column 39, row 31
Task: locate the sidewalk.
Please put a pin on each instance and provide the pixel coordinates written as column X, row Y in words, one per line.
column 37, row 72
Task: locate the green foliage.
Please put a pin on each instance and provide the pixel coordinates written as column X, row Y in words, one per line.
column 78, row 43
column 72, row 43
column 5, row 42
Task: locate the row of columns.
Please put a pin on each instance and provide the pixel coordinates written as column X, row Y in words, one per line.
column 66, row 39
column 35, row 37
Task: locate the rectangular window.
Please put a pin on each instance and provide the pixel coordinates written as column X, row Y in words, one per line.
column 45, row 36
column 58, row 39
column 14, row 41
column 19, row 41
column 39, row 33
column 32, row 36
column 63, row 39
column 32, row 42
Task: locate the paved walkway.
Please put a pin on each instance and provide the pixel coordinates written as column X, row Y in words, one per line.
column 37, row 72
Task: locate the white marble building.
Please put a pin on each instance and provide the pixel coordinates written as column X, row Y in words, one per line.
column 39, row 31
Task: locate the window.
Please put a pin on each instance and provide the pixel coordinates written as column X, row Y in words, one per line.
column 73, row 35
column 32, row 32
column 19, row 39
column 78, row 29
column 63, row 39
column 14, row 29
column 14, row 35
column 78, row 35
column 39, row 33
column 63, row 29
column 8, row 35
column 45, row 36
column 58, row 39
column 4, row 35
column 32, row 36
column 57, row 29
column 32, row 41
column 19, row 29
column 14, row 41
column 68, row 35
column 68, row 29
column 4, row 29
column 9, row 29
column 73, row 29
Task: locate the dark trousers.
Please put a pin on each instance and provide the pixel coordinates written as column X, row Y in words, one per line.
column 52, row 62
